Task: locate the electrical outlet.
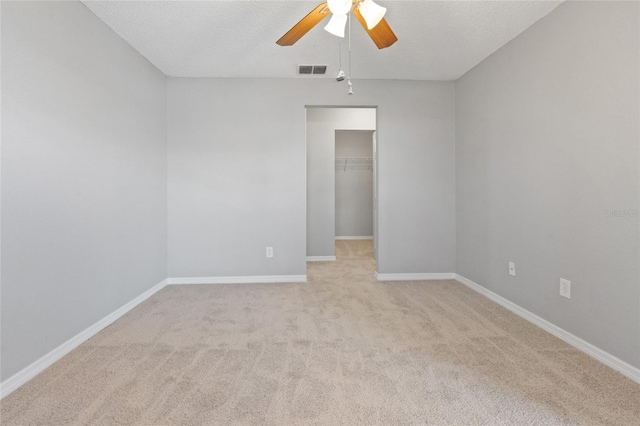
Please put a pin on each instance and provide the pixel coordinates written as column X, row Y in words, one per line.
column 565, row 288
column 269, row 251
column 512, row 269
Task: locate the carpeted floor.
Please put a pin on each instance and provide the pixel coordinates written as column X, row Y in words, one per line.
column 342, row 349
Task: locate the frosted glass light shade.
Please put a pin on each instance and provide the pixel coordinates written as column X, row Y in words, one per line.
column 339, row 7
column 372, row 13
column 336, row 25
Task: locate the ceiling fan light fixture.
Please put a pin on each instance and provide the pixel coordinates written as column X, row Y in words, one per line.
column 336, row 25
column 376, row 27
column 339, row 7
column 372, row 13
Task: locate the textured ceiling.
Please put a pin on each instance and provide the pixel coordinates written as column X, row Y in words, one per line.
column 437, row 40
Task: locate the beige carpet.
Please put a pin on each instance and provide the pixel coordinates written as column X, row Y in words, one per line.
column 341, row 349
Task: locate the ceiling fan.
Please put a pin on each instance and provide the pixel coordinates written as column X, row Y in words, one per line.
column 368, row 13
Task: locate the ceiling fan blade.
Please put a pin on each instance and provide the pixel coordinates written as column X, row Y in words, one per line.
column 382, row 34
column 305, row 24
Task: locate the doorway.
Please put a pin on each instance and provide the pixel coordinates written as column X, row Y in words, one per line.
column 326, row 217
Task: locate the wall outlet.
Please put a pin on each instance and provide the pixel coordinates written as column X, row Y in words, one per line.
column 565, row 288
column 512, row 269
column 269, row 251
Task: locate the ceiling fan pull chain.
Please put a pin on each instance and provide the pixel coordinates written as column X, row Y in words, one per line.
column 349, row 85
column 349, row 45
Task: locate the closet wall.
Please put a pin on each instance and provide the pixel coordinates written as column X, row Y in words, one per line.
column 354, row 183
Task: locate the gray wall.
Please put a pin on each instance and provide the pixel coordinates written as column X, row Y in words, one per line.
column 321, row 177
column 83, row 176
column 354, row 184
column 237, row 173
column 547, row 143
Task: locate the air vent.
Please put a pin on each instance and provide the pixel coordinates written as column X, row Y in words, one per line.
column 312, row 69
column 319, row 69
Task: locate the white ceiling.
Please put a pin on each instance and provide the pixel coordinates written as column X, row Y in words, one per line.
column 437, row 40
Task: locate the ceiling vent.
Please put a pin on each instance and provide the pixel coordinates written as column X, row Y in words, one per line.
column 312, row 69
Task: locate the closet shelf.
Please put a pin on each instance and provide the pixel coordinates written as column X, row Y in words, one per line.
column 354, row 163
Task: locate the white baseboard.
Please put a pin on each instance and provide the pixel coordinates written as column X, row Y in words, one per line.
column 29, row 372
column 415, row 277
column 254, row 279
column 368, row 237
column 604, row 357
column 321, row 258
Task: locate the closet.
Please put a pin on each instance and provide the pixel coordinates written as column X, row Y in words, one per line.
column 354, row 184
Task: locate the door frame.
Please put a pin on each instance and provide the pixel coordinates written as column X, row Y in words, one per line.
column 376, row 195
